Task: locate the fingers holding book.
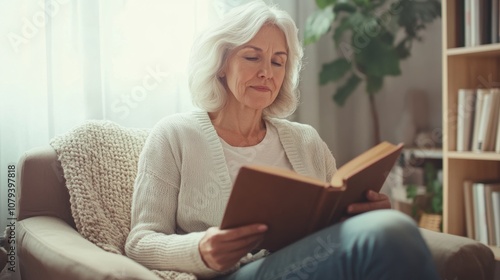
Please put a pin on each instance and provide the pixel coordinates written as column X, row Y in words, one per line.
column 375, row 201
column 222, row 249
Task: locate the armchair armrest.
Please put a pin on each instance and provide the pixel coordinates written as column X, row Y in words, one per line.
column 48, row 248
column 458, row 257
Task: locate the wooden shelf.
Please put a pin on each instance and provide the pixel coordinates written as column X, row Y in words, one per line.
column 482, row 50
column 474, row 155
column 463, row 67
column 424, row 153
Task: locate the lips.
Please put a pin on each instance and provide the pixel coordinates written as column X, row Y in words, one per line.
column 261, row 88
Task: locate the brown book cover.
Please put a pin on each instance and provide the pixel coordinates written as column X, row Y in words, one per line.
column 489, row 188
column 293, row 205
column 469, row 209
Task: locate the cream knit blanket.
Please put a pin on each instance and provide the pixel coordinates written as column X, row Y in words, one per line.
column 99, row 159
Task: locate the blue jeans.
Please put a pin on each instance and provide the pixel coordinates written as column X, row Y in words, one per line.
column 382, row 244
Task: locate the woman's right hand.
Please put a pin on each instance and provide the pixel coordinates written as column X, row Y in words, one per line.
column 222, row 249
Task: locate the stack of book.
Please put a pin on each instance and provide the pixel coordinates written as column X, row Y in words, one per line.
column 480, row 22
column 478, row 115
column 482, row 211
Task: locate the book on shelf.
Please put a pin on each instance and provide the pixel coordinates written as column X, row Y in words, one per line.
column 465, row 117
column 482, row 211
column 491, row 120
column 467, row 23
column 486, row 123
column 495, row 197
column 480, row 227
column 489, row 189
column 469, row 209
column 480, row 22
column 494, row 120
column 483, row 122
column 294, row 205
column 480, row 94
column 494, row 21
column 497, row 142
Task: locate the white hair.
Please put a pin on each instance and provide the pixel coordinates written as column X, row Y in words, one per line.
column 238, row 27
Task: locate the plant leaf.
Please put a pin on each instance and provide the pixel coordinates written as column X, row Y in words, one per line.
column 362, row 2
column 437, row 198
column 414, row 14
column 331, row 72
column 437, row 203
column 343, row 26
column 366, row 37
column 318, row 24
column 377, row 59
column 345, row 90
column 344, row 7
column 324, row 3
column 346, row 24
column 411, row 191
column 403, row 48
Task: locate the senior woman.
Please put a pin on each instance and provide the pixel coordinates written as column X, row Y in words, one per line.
column 244, row 76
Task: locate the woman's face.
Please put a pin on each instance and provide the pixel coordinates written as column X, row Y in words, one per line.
column 255, row 71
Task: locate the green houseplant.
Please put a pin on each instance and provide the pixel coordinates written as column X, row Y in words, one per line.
column 371, row 38
column 432, row 205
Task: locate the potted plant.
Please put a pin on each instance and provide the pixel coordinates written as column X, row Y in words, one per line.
column 428, row 209
column 371, row 38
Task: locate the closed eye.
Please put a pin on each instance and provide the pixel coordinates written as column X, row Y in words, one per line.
column 252, row 58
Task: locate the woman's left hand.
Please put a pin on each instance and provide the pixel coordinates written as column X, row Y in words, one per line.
column 375, row 201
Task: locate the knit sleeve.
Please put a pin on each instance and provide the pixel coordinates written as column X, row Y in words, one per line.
column 152, row 240
column 329, row 161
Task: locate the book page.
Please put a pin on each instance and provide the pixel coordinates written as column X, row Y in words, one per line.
column 362, row 161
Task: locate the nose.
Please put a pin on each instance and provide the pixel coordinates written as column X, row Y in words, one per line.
column 265, row 70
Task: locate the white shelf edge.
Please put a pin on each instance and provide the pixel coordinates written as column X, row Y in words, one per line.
column 424, row 153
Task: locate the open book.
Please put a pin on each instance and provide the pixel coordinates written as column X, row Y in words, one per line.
column 293, row 206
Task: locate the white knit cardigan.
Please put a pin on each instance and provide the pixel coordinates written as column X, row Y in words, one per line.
column 183, row 185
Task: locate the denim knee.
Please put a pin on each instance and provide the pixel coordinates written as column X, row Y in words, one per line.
column 386, row 228
column 387, row 240
column 390, row 224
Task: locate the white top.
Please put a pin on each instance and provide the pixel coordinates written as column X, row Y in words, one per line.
column 183, row 185
column 268, row 152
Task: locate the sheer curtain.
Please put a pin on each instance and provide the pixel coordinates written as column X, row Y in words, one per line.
column 66, row 61
column 63, row 62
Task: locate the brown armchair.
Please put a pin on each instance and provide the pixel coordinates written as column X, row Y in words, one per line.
column 49, row 246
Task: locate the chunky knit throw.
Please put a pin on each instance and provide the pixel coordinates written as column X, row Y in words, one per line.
column 99, row 160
